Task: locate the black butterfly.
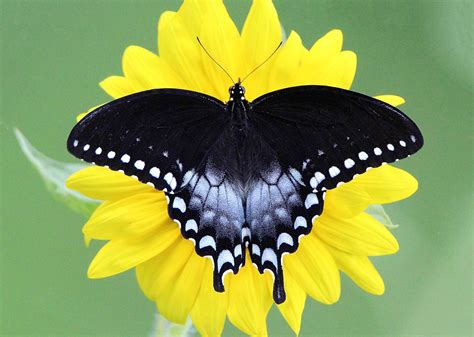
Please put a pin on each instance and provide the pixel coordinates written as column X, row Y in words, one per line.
column 245, row 174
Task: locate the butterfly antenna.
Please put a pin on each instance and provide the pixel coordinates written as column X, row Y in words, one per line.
column 225, row 71
column 261, row 64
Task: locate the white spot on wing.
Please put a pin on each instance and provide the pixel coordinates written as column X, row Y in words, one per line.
column 173, row 183
column 245, row 233
column 207, row 241
column 224, row 257
column 363, row 155
column 87, row 147
column 269, row 255
column 75, row 143
column 125, row 158
column 377, row 151
column 319, row 177
column 187, row 177
column 155, row 172
column 98, row 151
column 402, row 143
column 191, row 225
column 140, row 164
column 413, row 138
column 179, row 203
column 111, row 155
column 168, row 178
column 334, row 171
column 349, row 163
column 256, row 249
column 238, row 250
column 390, row 147
column 300, row 222
column 284, row 238
column 311, row 200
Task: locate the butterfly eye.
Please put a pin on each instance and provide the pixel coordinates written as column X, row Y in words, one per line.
column 231, row 89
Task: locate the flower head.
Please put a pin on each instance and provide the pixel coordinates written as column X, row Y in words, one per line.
column 133, row 217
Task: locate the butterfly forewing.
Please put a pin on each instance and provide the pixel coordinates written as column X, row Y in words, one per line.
column 331, row 135
column 156, row 136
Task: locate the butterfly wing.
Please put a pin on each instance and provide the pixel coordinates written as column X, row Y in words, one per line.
column 210, row 209
column 279, row 210
column 330, row 135
column 170, row 139
column 316, row 137
column 155, row 136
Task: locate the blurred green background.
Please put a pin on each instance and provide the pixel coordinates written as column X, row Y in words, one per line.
column 54, row 53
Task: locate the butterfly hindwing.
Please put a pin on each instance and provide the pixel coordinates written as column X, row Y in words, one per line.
column 279, row 209
column 279, row 212
column 209, row 209
column 331, row 135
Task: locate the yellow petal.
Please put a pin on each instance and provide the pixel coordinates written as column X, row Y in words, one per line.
column 346, row 201
column 250, row 300
column 340, row 72
column 285, row 69
column 157, row 273
column 261, row 34
column 219, row 27
column 386, row 184
column 209, row 311
column 391, row 99
column 362, row 235
column 360, row 270
column 185, row 57
column 176, row 302
column 292, row 308
column 327, row 47
column 146, row 70
column 165, row 18
column 194, row 11
column 315, row 270
column 103, row 184
column 124, row 253
column 322, row 53
column 133, row 215
column 381, row 185
column 117, row 86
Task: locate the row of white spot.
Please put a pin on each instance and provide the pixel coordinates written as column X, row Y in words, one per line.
column 138, row 164
column 349, row 163
column 225, row 256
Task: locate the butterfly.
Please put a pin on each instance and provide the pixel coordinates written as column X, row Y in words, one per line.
column 245, row 175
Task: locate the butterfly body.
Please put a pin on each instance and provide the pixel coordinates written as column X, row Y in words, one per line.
column 245, row 175
column 238, row 108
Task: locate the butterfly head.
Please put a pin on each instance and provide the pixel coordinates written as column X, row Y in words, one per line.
column 237, row 92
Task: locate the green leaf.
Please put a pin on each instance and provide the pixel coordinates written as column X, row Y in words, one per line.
column 378, row 212
column 164, row 328
column 54, row 174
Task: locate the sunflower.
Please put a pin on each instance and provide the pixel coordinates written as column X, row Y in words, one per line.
column 133, row 217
